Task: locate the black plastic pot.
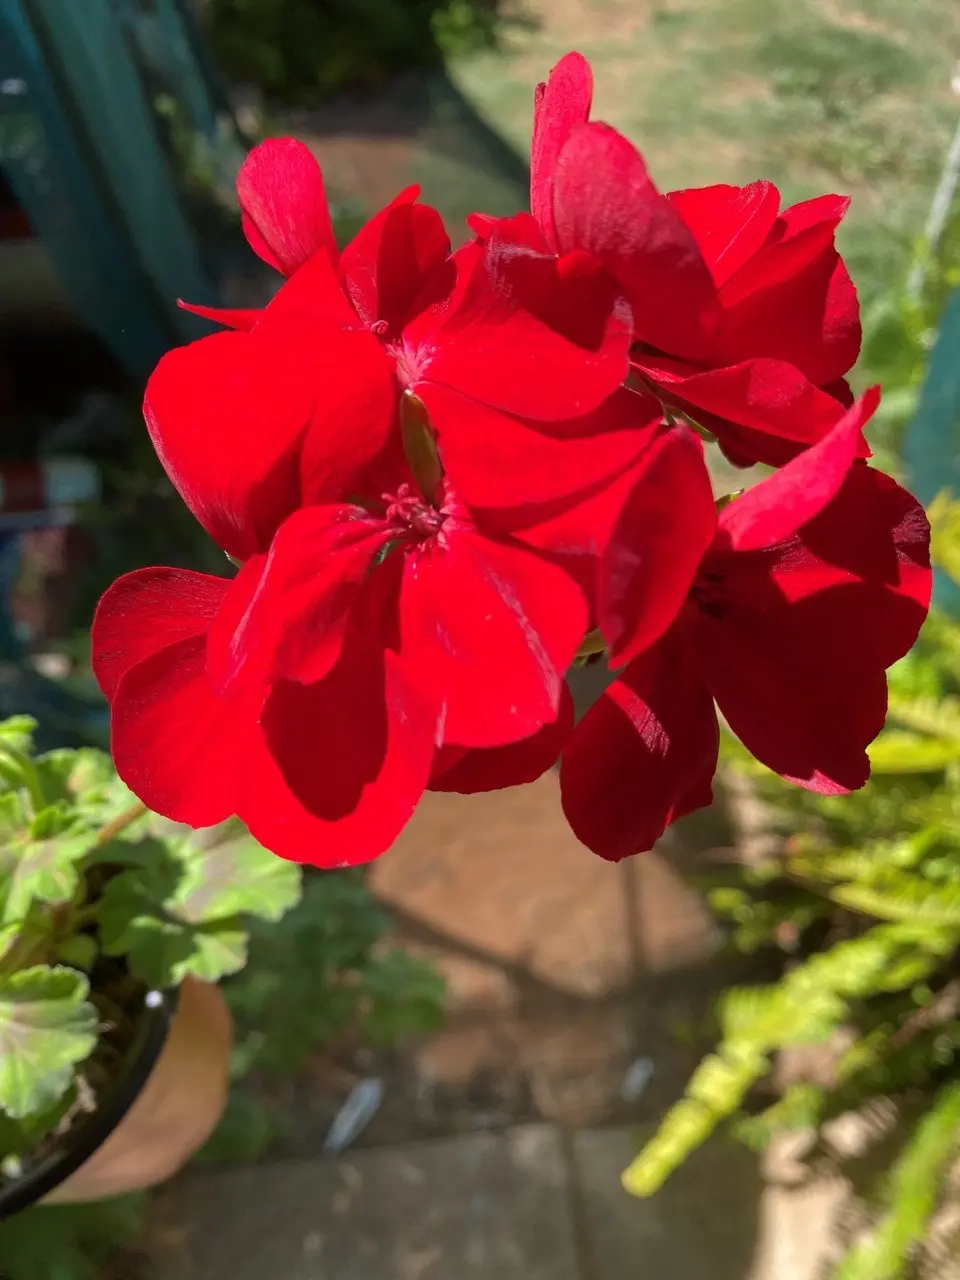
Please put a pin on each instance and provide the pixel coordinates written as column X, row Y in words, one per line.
column 37, row 1178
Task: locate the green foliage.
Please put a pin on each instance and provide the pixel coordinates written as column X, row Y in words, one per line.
column 186, row 910
column 300, row 50
column 88, row 875
column 878, row 874
column 912, row 1194
column 899, row 330
column 47, row 1026
column 67, row 1242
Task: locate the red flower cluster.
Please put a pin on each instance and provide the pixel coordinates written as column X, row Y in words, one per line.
column 444, row 475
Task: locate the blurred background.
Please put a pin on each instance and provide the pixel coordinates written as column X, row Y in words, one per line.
column 491, row 1021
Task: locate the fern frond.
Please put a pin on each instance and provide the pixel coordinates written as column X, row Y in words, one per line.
column 938, row 717
column 907, row 899
column 898, row 751
column 912, row 1194
column 715, row 1091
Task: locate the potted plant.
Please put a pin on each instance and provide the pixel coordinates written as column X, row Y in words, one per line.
column 114, row 924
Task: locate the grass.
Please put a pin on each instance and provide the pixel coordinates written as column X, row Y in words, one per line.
column 818, row 95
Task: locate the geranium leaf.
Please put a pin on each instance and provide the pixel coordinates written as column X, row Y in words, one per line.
column 183, row 910
column 43, row 870
column 14, row 818
column 47, row 1026
column 85, row 779
column 16, row 732
column 227, row 873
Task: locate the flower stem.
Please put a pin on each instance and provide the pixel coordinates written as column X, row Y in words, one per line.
column 120, row 823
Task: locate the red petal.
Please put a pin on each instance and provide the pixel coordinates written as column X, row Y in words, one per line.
column 811, row 319
column 875, row 532
column 285, row 215
column 606, row 204
column 560, row 104
column 643, row 755
column 332, row 797
column 147, row 610
column 663, row 532
column 730, row 224
column 351, row 759
column 491, row 630
column 229, row 448
column 773, row 510
column 794, row 679
column 354, row 426
column 573, row 534
column 498, row 460
column 223, row 652
column 467, row 771
column 482, row 224
column 228, row 414
column 296, row 609
column 820, row 211
column 387, row 264
column 230, row 317
column 770, row 397
column 175, row 743
column 796, row 644
column 489, row 347
column 314, row 290
column 794, row 300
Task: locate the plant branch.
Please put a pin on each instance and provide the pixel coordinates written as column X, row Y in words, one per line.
column 120, row 823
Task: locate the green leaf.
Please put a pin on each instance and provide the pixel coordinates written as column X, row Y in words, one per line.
column 228, row 873
column 69, row 1241
column 46, row 1028
column 912, row 1194
column 14, row 816
column 939, row 717
column 908, row 900
column 184, row 910
column 897, row 751
column 69, row 773
column 85, row 779
column 716, row 1090
column 17, row 732
column 79, row 951
column 39, row 870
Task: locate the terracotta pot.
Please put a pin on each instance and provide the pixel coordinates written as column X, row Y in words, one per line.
column 174, row 1113
column 166, row 1099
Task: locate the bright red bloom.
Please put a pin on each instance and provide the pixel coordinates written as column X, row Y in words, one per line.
column 744, row 316
column 310, row 694
column 447, row 321
column 813, row 583
column 325, row 363
column 436, row 477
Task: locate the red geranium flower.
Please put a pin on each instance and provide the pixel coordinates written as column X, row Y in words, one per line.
column 811, row 584
column 435, row 481
column 382, row 633
column 310, row 694
column 315, row 378
column 744, row 316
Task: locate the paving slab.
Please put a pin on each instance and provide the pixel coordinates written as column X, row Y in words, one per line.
column 726, row 1215
column 503, row 875
column 477, row 1207
column 702, row 1225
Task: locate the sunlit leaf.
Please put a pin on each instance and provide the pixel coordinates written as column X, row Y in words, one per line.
column 184, row 909
column 47, row 1026
column 901, row 752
